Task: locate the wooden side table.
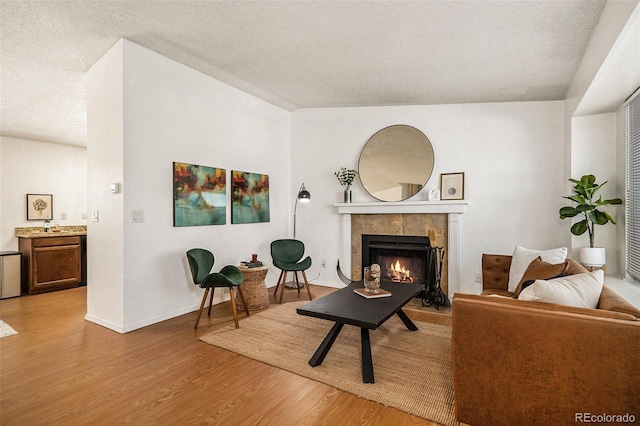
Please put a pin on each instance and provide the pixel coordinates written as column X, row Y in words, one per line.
column 254, row 288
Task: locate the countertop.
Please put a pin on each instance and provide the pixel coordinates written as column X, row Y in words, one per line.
column 61, row 231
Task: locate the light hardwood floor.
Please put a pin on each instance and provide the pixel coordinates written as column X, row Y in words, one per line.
column 63, row 370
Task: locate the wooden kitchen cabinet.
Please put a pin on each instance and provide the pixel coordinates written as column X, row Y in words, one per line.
column 50, row 263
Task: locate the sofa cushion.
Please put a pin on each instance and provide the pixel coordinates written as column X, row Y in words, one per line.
column 522, row 257
column 581, row 290
column 540, row 270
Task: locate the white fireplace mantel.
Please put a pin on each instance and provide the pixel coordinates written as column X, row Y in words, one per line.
column 455, row 207
column 454, row 210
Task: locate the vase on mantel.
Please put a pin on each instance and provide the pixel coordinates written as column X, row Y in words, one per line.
column 347, row 196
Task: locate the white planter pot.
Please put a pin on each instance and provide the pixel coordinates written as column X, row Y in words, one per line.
column 593, row 256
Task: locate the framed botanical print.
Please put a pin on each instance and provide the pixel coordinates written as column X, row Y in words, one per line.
column 39, row 207
column 452, row 186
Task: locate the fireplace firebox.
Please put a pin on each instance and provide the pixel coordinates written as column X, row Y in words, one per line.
column 401, row 258
column 407, row 259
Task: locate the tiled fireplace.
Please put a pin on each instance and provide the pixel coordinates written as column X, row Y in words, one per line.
column 437, row 220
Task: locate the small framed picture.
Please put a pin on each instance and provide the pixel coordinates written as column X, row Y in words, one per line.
column 452, row 186
column 39, row 207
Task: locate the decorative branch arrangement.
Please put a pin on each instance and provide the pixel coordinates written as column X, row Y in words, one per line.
column 345, row 177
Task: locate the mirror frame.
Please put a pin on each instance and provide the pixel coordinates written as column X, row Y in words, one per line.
column 391, row 156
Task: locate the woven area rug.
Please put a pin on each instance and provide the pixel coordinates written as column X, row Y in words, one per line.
column 412, row 369
column 6, row 330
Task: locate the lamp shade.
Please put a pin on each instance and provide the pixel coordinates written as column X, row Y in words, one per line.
column 593, row 256
column 304, row 196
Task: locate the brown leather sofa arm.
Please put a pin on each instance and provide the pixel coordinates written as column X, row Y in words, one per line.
column 521, row 363
column 495, row 271
column 612, row 301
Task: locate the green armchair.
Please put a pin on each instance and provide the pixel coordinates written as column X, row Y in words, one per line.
column 287, row 255
column 201, row 262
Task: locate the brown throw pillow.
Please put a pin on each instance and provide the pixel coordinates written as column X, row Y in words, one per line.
column 541, row 270
column 574, row 267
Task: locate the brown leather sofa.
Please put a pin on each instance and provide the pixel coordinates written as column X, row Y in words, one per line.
column 534, row 363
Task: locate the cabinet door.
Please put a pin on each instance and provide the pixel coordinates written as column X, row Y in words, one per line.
column 56, row 266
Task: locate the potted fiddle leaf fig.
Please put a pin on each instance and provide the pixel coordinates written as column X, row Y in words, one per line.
column 591, row 211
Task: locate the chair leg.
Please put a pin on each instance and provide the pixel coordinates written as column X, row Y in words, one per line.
column 306, row 284
column 213, row 289
column 297, row 281
column 233, row 306
column 204, row 299
column 246, row 307
column 278, row 285
column 284, row 279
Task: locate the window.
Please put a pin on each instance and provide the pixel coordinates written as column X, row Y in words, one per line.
column 632, row 119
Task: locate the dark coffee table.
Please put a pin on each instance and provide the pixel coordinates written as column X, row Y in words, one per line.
column 346, row 307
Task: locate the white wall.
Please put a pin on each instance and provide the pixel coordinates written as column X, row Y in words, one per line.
column 607, row 75
column 32, row 167
column 593, row 152
column 105, row 150
column 512, row 155
column 173, row 113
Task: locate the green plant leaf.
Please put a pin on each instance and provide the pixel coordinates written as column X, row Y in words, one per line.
column 609, row 218
column 579, row 228
column 611, row 201
column 597, row 188
column 568, row 212
column 588, row 180
column 596, row 216
column 577, row 198
column 580, row 190
column 584, row 208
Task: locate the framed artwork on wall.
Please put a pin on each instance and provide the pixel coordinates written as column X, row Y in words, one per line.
column 39, row 207
column 199, row 195
column 452, row 186
column 250, row 197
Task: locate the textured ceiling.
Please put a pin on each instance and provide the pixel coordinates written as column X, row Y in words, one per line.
column 294, row 54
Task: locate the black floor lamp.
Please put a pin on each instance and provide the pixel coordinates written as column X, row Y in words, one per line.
column 304, row 197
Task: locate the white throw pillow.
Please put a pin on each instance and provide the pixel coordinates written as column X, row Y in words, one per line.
column 581, row 290
column 522, row 257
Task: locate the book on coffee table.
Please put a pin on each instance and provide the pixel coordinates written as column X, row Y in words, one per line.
column 382, row 293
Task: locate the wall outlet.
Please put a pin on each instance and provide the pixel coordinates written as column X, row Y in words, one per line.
column 84, row 215
column 63, row 216
column 323, row 263
column 479, row 278
column 96, row 216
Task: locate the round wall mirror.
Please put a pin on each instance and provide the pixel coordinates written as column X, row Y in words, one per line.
column 396, row 163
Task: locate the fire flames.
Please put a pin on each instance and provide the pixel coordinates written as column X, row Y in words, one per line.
column 399, row 273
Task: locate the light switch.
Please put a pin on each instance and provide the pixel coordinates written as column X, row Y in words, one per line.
column 137, row 216
column 96, row 216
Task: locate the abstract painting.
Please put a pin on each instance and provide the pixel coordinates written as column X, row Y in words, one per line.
column 199, row 195
column 250, row 199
